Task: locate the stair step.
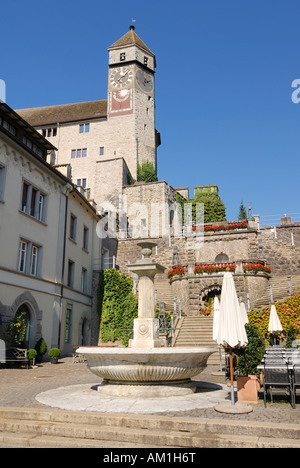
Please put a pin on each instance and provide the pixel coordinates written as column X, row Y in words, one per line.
column 32, row 427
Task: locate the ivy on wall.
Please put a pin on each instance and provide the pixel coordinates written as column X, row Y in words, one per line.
column 117, row 306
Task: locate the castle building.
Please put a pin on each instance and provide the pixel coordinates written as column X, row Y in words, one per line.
column 104, row 141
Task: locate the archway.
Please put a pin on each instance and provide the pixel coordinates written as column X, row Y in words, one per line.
column 207, row 296
column 85, row 332
column 84, row 326
column 23, row 315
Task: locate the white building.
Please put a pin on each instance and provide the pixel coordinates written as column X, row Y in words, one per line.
column 48, row 241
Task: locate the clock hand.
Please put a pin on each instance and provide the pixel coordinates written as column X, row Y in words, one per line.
column 122, row 76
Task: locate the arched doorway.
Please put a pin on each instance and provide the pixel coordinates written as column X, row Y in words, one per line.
column 85, row 332
column 23, row 317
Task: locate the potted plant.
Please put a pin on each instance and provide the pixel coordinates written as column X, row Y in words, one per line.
column 248, row 382
column 32, row 354
column 54, row 354
column 41, row 349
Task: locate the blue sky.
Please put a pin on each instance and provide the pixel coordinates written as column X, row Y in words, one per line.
column 223, row 84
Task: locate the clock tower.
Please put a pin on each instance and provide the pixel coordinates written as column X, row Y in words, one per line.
column 131, row 106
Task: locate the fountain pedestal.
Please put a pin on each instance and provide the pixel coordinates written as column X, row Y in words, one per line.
column 146, row 327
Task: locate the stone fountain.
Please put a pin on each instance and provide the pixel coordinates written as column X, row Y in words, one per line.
column 147, row 368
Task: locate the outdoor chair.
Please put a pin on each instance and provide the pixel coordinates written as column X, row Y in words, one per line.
column 277, row 376
column 296, row 377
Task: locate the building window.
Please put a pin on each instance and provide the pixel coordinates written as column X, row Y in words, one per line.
column 78, row 153
column 34, row 260
column 84, row 128
column 122, row 56
column 83, row 280
column 49, row 132
column 71, row 267
column 85, row 245
column 29, row 257
column 146, row 61
column 101, row 150
column 22, row 256
column 33, row 202
column 81, row 183
column 68, row 324
column 7, row 126
column 73, row 225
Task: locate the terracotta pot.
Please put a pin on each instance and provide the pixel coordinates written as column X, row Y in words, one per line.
column 247, row 389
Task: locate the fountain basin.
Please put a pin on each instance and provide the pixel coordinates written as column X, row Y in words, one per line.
column 158, row 369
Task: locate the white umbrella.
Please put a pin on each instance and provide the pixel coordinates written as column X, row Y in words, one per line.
column 216, row 318
column 216, row 325
column 274, row 322
column 244, row 313
column 231, row 330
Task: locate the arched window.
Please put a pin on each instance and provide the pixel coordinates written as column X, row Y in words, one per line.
column 222, row 258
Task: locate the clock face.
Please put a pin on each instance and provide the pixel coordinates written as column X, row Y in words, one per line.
column 120, row 77
column 144, row 80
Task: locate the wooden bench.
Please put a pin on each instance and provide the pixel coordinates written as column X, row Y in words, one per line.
column 17, row 355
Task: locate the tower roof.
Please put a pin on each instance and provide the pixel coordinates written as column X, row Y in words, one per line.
column 130, row 38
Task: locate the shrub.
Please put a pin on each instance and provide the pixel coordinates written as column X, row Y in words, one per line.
column 288, row 312
column 54, row 353
column 250, row 357
column 41, row 348
column 32, row 354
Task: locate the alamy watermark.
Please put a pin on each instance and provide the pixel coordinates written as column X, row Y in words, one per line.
column 296, row 94
column 155, row 220
column 2, row 91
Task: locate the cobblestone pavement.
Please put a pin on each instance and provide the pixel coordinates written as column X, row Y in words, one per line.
column 18, row 387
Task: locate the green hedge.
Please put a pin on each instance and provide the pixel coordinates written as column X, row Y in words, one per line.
column 117, row 306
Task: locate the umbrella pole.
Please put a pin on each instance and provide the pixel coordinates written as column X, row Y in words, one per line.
column 231, row 374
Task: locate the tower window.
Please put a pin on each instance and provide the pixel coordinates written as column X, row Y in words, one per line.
column 146, row 61
column 122, row 56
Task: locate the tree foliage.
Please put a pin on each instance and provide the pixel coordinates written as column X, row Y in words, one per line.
column 146, row 172
column 214, row 208
column 242, row 212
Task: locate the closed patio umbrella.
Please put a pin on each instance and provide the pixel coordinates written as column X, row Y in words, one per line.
column 216, row 325
column 244, row 313
column 216, row 318
column 274, row 322
column 231, row 330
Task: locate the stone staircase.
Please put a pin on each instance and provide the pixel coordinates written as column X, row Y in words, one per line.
column 164, row 293
column 280, row 290
column 49, row 428
column 198, row 331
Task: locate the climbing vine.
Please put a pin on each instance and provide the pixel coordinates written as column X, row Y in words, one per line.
column 117, row 306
